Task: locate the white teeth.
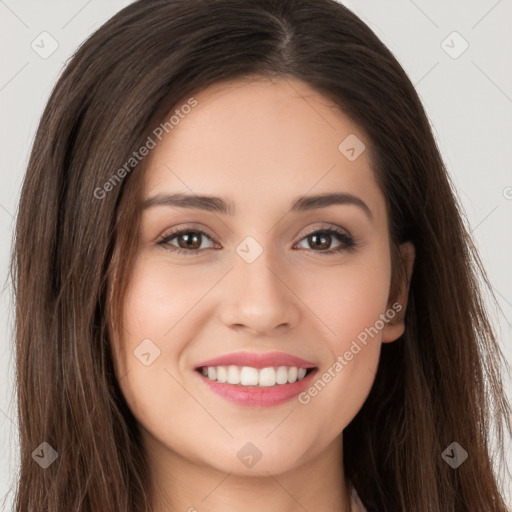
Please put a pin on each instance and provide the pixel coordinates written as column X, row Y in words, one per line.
column 222, row 374
column 233, row 375
column 267, row 377
column 282, row 375
column 248, row 376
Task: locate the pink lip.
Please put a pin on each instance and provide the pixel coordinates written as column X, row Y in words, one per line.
column 255, row 360
column 253, row 396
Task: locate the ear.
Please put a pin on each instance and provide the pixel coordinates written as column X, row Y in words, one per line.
column 397, row 301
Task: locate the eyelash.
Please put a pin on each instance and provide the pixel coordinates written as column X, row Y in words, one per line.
column 348, row 242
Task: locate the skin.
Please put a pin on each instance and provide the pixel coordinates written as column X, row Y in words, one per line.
column 260, row 144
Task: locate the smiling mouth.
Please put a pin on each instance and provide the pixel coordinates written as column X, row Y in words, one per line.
column 247, row 376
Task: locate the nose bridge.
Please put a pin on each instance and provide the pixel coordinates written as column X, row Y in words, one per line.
column 259, row 297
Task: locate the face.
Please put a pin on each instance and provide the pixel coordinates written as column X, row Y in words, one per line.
column 262, row 279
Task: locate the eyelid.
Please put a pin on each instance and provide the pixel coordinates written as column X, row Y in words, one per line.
column 324, row 226
column 186, row 227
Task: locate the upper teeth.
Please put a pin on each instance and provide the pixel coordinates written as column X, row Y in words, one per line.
column 248, row 376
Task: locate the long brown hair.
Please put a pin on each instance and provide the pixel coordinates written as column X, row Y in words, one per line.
column 441, row 382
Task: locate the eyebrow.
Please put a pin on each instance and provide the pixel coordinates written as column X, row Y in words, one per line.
column 219, row 205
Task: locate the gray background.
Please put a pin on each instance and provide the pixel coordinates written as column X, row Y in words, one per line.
column 468, row 98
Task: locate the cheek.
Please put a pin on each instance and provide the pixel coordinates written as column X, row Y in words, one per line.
column 155, row 332
column 347, row 298
column 161, row 297
column 350, row 306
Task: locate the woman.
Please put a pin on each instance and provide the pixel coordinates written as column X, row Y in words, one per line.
column 180, row 344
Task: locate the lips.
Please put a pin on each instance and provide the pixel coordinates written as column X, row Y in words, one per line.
column 257, row 360
column 223, row 377
column 259, row 397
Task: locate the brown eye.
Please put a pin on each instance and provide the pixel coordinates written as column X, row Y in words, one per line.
column 322, row 239
column 189, row 241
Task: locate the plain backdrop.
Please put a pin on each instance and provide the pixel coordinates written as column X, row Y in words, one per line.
column 456, row 53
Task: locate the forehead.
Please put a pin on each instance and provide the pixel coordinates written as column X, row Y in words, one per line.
column 261, row 140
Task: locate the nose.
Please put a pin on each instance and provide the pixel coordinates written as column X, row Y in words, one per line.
column 260, row 300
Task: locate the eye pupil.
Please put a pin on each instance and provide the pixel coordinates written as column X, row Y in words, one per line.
column 188, row 237
column 316, row 236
